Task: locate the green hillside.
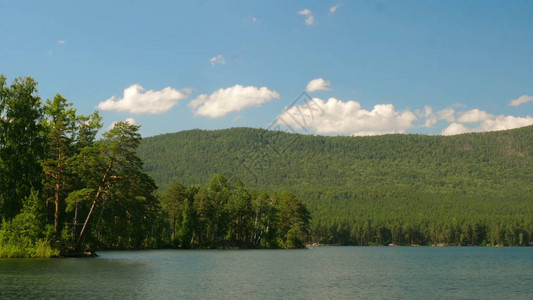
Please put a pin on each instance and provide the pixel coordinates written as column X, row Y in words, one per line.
column 405, row 189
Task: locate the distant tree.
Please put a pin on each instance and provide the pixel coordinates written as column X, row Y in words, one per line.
column 293, row 221
column 189, row 229
column 239, row 208
column 174, row 202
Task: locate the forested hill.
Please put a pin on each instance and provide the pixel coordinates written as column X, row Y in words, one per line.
column 471, row 189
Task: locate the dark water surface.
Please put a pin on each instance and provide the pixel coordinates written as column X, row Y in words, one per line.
column 319, row 273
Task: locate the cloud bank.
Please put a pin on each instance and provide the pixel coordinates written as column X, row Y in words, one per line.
column 492, row 123
column 349, row 117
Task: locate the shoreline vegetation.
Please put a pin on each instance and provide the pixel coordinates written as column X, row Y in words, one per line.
column 416, row 245
column 469, row 189
column 63, row 193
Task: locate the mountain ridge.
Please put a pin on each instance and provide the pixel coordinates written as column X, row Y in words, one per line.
column 350, row 180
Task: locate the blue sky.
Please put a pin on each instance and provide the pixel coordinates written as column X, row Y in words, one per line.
column 370, row 67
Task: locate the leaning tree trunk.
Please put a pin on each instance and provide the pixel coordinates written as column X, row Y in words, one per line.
column 83, row 232
column 75, row 225
column 85, row 228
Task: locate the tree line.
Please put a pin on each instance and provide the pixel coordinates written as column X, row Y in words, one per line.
column 469, row 189
column 222, row 214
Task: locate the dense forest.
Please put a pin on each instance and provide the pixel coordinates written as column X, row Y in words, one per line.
column 63, row 192
column 469, row 189
column 225, row 215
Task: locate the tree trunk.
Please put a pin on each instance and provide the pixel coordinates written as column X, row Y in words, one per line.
column 56, row 219
column 58, row 188
column 93, row 206
column 173, row 227
column 83, row 232
column 75, row 225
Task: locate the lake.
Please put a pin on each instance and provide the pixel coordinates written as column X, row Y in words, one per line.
column 317, row 273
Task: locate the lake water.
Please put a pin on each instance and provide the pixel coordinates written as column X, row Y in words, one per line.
column 318, row 273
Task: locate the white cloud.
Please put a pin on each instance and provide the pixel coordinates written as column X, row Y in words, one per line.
column 310, row 20
column 137, row 101
column 494, row 123
column 447, row 114
column 253, row 19
column 61, row 42
column 334, row 8
column 523, row 99
column 455, row 128
column 236, row 98
column 219, row 59
column 504, row 122
column 348, row 117
column 474, row 116
column 318, row 84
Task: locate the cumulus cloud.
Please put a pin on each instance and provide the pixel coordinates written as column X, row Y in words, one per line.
column 334, row 8
column 219, row 59
column 505, row 122
column 310, row 19
column 494, row 123
column 455, row 128
column 236, row 98
column 522, row 100
column 318, row 84
column 474, row 116
column 137, row 101
column 348, row 117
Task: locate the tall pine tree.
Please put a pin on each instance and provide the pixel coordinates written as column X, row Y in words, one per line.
column 22, row 141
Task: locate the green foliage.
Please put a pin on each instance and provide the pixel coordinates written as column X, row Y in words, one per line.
column 61, row 128
column 23, row 236
column 48, row 152
column 402, row 189
column 293, row 220
column 227, row 215
column 22, row 142
column 116, row 187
